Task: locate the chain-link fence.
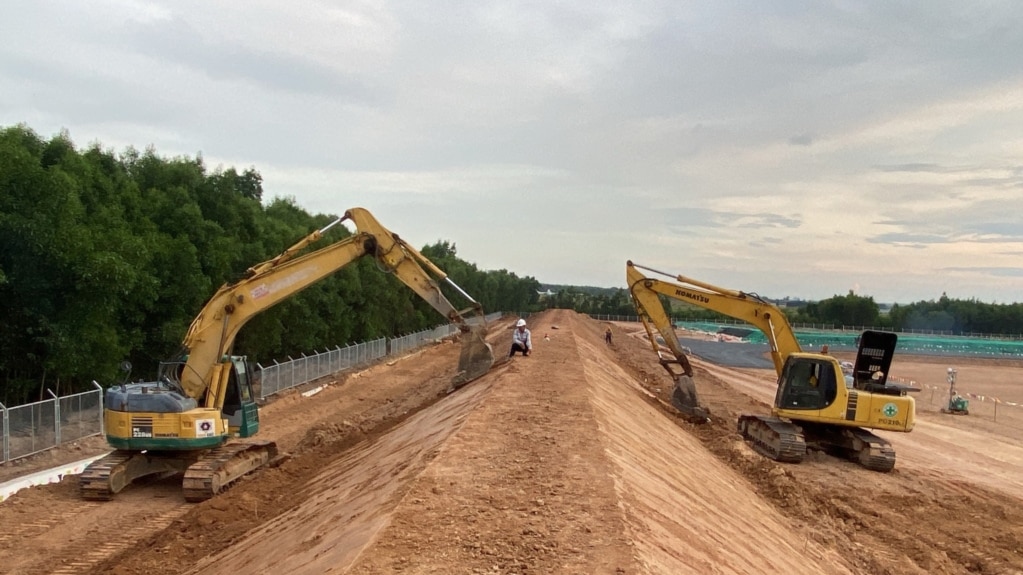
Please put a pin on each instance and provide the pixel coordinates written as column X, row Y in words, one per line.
column 35, row 427
column 281, row 376
column 405, row 344
column 299, row 371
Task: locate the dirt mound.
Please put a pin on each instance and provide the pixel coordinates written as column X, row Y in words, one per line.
column 566, row 461
column 329, row 433
column 904, row 522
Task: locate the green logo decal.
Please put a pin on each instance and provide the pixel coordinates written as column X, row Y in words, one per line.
column 890, row 410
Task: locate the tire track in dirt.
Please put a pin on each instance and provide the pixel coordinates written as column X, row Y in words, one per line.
column 44, row 522
column 81, row 556
column 523, row 487
column 73, row 536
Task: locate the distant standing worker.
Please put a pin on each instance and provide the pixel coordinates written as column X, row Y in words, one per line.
column 607, row 335
column 521, row 339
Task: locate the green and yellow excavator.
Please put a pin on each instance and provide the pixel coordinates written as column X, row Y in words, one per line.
column 187, row 421
column 815, row 406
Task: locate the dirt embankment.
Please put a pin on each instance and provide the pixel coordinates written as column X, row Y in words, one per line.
column 566, row 461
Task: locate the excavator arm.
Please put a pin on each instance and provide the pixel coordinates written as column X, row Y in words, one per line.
column 212, row 333
column 747, row 307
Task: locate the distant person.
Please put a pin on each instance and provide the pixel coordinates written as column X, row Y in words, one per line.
column 521, row 339
column 607, row 335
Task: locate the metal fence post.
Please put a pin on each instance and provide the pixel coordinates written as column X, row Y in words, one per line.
column 56, row 416
column 6, row 453
column 102, row 423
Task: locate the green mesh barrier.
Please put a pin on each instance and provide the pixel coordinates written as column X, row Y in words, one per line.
column 839, row 340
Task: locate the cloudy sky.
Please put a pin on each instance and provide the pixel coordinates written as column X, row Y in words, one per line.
column 785, row 147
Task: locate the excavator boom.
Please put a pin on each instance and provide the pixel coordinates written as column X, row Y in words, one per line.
column 213, row 331
column 749, row 307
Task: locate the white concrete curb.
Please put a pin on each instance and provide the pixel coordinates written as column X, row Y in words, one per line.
column 53, row 475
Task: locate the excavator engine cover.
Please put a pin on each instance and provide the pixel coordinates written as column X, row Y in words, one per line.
column 476, row 358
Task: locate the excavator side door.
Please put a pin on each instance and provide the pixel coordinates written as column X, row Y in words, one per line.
column 873, row 359
column 240, row 408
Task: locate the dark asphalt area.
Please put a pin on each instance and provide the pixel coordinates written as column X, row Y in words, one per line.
column 730, row 354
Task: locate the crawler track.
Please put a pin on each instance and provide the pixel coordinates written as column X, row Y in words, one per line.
column 205, row 473
column 773, row 438
column 94, row 482
column 871, row 451
column 219, row 467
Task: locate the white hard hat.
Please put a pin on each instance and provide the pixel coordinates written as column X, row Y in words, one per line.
column 520, row 323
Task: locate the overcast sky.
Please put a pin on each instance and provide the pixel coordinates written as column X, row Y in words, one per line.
column 798, row 149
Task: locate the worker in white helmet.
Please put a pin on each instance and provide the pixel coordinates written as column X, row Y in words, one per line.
column 521, row 339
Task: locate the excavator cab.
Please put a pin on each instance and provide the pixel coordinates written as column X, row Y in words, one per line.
column 807, row 383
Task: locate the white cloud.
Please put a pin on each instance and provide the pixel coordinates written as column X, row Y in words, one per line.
column 765, row 147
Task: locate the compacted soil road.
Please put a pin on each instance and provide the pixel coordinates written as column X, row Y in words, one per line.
column 566, row 461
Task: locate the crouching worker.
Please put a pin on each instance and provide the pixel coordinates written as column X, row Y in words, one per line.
column 521, row 340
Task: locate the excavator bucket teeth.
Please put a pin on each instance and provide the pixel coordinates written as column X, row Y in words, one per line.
column 684, row 399
column 476, row 358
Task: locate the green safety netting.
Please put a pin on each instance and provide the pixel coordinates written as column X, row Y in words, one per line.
column 810, row 339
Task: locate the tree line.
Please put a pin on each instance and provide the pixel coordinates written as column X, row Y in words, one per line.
column 106, row 257
column 944, row 315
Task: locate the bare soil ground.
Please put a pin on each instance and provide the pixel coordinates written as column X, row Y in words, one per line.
column 566, row 461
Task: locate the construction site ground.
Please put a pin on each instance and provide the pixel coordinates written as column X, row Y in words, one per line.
column 566, row 461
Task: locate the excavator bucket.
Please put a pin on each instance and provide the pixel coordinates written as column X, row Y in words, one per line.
column 476, row 359
column 684, row 399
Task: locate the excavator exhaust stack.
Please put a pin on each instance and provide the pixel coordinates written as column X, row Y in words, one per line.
column 684, row 399
column 476, row 358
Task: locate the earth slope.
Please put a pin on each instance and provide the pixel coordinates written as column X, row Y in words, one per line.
column 566, row 461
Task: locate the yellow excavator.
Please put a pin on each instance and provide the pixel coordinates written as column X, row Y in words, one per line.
column 816, row 406
column 185, row 422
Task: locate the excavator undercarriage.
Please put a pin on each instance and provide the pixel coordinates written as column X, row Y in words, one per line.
column 206, row 472
column 786, row 442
